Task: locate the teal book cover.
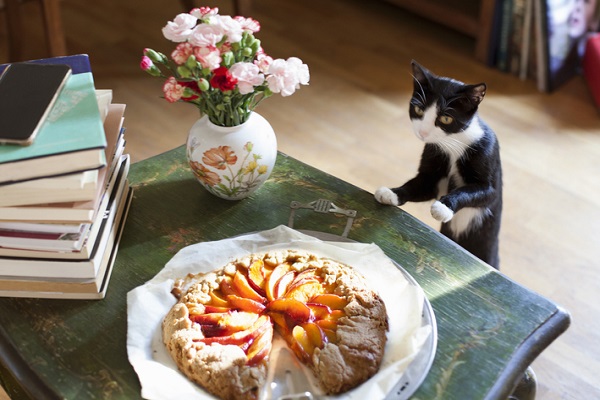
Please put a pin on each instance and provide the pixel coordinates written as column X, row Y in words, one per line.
column 74, row 124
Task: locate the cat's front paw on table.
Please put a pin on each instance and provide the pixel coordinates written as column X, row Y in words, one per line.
column 385, row 195
column 441, row 212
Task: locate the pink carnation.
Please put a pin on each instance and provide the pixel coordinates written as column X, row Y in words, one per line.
column 182, row 52
column 206, row 35
column 287, row 75
column 172, row 90
column 180, row 28
column 209, row 57
column 230, row 27
column 146, row 63
column 263, row 61
column 248, row 75
column 204, row 12
column 248, row 24
column 225, row 47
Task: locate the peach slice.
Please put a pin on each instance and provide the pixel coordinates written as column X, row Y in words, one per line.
column 307, row 273
column 260, row 347
column 330, row 300
column 320, row 311
column 315, row 334
column 209, row 319
column 336, row 314
column 209, row 309
column 299, row 282
column 296, row 311
column 302, row 345
column 242, row 338
column 244, row 289
column 226, row 287
column 281, row 324
column 329, row 329
column 304, row 277
column 256, row 276
column 245, row 304
column 273, row 279
column 283, row 283
column 327, row 324
column 240, row 319
column 223, row 324
column 217, row 300
column 195, row 309
column 305, row 290
column 262, row 354
column 331, row 335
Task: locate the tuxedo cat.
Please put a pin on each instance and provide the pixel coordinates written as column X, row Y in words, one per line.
column 460, row 165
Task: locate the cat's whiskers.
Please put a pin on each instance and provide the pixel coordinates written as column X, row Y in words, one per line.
column 453, row 147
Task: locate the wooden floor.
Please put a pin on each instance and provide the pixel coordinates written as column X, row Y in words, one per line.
column 352, row 122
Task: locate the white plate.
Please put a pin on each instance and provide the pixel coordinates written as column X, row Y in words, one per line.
column 407, row 362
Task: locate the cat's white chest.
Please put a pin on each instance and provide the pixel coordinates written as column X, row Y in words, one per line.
column 455, row 147
column 466, row 218
column 453, row 176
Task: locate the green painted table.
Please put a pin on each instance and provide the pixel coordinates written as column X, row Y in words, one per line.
column 489, row 328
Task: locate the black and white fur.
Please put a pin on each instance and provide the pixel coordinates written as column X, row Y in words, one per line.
column 460, row 164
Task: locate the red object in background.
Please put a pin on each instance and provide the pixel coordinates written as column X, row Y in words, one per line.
column 591, row 66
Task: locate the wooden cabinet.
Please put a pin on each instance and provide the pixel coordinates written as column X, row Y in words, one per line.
column 471, row 17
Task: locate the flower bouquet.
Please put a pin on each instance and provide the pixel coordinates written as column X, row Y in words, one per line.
column 219, row 66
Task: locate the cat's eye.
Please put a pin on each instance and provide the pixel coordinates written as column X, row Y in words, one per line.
column 446, row 120
column 419, row 111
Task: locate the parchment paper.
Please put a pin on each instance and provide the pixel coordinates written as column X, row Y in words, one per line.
column 148, row 304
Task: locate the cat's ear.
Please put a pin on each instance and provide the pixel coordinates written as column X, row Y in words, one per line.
column 420, row 74
column 475, row 93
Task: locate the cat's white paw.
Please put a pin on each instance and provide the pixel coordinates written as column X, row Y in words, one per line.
column 386, row 196
column 441, row 212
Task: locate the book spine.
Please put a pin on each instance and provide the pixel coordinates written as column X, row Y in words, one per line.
column 527, row 41
column 516, row 37
column 541, row 44
column 505, row 29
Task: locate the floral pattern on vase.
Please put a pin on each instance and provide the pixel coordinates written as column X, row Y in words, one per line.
column 232, row 162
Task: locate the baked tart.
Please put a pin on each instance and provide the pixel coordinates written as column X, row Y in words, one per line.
column 220, row 332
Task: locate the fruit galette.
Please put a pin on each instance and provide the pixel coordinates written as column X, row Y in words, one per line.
column 220, row 331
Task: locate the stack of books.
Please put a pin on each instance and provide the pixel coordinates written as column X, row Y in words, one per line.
column 64, row 198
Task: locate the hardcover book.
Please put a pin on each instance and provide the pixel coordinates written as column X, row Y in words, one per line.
column 55, row 244
column 77, row 187
column 74, row 212
column 79, row 63
column 71, row 140
column 72, row 269
column 45, row 241
column 72, row 288
column 78, row 211
column 80, row 186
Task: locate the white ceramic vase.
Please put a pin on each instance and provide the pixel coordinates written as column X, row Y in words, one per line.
column 232, row 162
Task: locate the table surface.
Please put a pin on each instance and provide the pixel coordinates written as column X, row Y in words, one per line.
column 489, row 327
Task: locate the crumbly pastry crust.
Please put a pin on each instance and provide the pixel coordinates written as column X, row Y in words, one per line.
column 338, row 365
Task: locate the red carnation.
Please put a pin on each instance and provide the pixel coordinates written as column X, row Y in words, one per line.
column 193, row 87
column 222, row 79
